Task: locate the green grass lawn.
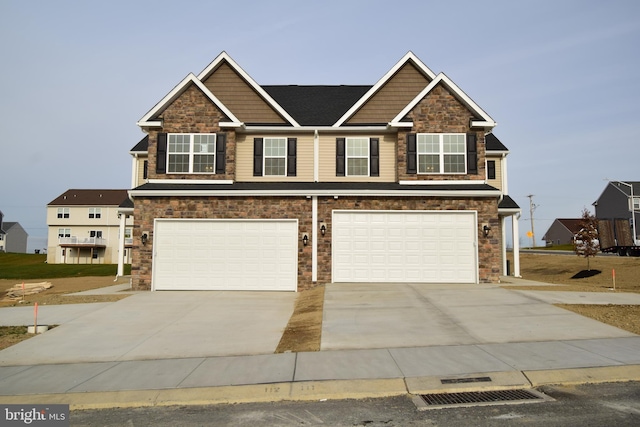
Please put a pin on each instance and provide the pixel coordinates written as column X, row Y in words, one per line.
column 34, row 266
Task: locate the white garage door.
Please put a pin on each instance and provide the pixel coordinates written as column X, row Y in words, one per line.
column 401, row 246
column 225, row 255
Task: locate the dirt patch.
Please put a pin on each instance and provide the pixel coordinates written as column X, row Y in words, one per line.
column 61, row 287
column 304, row 330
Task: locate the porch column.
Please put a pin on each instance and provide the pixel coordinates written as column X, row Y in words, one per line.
column 121, row 230
column 516, row 244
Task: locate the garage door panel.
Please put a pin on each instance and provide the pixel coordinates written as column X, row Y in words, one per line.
column 225, row 255
column 424, row 246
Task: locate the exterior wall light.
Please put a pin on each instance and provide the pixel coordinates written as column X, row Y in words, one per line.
column 305, row 239
column 144, row 238
column 485, row 230
column 323, row 228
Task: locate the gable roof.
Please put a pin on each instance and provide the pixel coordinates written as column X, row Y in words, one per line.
column 484, row 119
column 571, row 224
column 149, row 119
column 7, row 226
column 622, row 186
column 75, row 197
column 408, row 57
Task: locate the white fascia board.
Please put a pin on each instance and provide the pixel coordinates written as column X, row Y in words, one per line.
column 152, row 124
column 409, row 56
column 175, row 93
column 510, row 211
column 309, row 193
column 496, row 153
column 231, row 124
column 313, row 129
column 443, row 182
column 225, row 57
column 488, row 122
column 190, row 181
column 400, row 124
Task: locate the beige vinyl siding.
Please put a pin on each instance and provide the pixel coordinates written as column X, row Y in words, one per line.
column 328, row 159
column 497, row 183
column 401, row 89
column 244, row 159
column 239, row 97
column 140, row 171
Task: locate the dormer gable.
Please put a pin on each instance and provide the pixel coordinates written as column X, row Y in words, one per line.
column 391, row 93
column 153, row 117
column 246, row 98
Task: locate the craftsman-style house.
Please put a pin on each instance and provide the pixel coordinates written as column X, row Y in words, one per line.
column 256, row 187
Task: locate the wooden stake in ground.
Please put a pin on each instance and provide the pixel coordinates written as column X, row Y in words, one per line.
column 613, row 273
column 35, row 318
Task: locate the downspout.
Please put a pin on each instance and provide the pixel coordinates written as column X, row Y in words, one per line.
column 134, row 170
column 123, row 219
column 316, row 157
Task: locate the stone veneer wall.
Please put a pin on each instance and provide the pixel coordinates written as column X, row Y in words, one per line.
column 439, row 112
column 146, row 209
column 192, row 112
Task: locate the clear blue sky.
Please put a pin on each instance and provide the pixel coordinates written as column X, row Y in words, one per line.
column 560, row 77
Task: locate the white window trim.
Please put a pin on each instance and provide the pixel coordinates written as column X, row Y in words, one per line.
column 265, row 157
column 64, row 232
column 62, row 212
column 635, row 203
column 192, row 154
column 441, row 154
column 96, row 212
column 347, row 156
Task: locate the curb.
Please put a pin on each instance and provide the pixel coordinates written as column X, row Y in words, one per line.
column 329, row 389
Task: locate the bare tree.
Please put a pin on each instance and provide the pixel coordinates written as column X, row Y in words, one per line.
column 586, row 242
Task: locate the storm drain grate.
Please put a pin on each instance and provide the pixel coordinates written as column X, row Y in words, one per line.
column 474, row 398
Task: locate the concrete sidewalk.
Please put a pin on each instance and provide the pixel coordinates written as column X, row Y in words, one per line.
column 157, row 348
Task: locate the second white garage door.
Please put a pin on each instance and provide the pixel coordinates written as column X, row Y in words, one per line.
column 225, row 255
column 401, row 246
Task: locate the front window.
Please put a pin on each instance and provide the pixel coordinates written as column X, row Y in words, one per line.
column 441, row 153
column 95, row 213
column 357, row 156
column 191, row 153
column 275, row 156
column 63, row 212
column 64, row 232
column 636, row 204
column 95, row 233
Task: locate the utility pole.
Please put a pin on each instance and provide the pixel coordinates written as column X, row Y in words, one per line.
column 532, row 207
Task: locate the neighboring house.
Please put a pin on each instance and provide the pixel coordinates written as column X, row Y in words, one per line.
column 619, row 200
column 13, row 238
column 250, row 187
column 562, row 231
column 86, row 227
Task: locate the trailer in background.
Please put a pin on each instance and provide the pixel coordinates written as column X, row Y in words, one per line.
column 615, row 236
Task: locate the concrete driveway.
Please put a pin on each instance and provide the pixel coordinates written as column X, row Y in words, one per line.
column 154, row 325
column 365, row 316
column 180, row 325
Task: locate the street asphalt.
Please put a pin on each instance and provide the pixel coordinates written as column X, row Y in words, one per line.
column 163, row 348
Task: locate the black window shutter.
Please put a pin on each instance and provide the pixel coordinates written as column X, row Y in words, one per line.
column 161, row 154
column 291, row 156
column 374, row 157
column 257, row 156
column 412, row 154
column 472, row 154
column 340, row 156
column 491, row 169
column 221, row 152
column 145, row 169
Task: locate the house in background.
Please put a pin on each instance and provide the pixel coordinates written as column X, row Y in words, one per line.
column 562, row 231
column 620, row 200
column 13, row 238
column 252, row 187
column 87, row 227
